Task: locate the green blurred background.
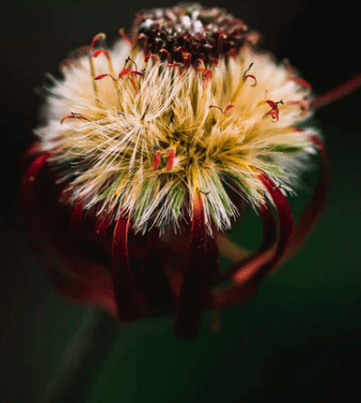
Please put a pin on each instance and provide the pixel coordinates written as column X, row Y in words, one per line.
column 297, row 340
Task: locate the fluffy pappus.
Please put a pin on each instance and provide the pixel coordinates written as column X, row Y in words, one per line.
column 137, row 134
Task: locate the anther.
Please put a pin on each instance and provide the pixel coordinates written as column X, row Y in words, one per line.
column 156, row 160
column 171, row 157
column 125, row 37
column 74, row 116
column 228, row 107
column 168, row 55
column 153, row 55
column 131, row 74
column 274, row 112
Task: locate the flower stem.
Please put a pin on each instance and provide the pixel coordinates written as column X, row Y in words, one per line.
column 83, row 358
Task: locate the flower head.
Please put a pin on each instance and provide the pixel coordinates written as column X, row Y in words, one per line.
column 173, row 128
column 141, row 134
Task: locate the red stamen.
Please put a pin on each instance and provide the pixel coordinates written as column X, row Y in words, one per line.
column 177, row 65
column 201, row 67
column 170, row 160
column 131, row 74
column 274, row 112
column 229, row 107
column 168, row 55
column 156, row 160
column 100, row 36
column 99, row 52
column 74, row 116
column 252, row 77
column 153, row 55
column 105, row 75
column 207, row 75
column 125, row 37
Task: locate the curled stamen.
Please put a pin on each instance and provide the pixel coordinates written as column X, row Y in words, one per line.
column 105, row 75
column 177, row 65
column 131, row 74
column 168, row 55
column 99, row 52
column 127, row 60
column 201, row 67
column 153, row 55
column 245, row 75
column 101, row 36
column 156, row 160
column 207, row 75
column 228, row 107
column 74, row 116
column 125, row 37
column 171, row 157
column 274, row 112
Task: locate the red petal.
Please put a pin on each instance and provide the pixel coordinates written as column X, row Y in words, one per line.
column 128, row 299
column 249, row 268
column 195, row 275
column 307, row 221
column 284, row 216
column 337, row 93
column 90, row 282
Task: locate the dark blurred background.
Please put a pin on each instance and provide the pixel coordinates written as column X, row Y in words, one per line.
column 299, row 339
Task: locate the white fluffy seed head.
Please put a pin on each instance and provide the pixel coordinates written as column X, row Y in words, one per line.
column 145, row 135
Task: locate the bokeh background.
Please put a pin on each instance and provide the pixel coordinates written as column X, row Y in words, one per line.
column 299, row 339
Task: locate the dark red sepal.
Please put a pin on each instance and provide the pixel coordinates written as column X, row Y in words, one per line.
column 284, row 217
column 188, row 315
column 309, row 218
column 85, row 281
column 249, row 267
column 77, row 217
column 128, row 298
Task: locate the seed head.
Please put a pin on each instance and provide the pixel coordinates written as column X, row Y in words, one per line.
column 192, row 106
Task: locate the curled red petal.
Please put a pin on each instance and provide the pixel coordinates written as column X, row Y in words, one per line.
column 195, row 275
column 250, row 266
column 233, row 295
column 337, row 93
column 284, row 216
column 128, row 298
column 87, row 281
column 309, row 218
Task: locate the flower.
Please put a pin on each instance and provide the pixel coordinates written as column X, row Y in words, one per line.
column 156, row 143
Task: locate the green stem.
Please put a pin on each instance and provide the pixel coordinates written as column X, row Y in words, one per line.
column 83, row 358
